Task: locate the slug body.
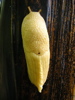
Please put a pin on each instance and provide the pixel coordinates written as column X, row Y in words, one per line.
column 36, row 48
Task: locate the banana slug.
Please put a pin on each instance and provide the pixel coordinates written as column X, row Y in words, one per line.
column 36, row 48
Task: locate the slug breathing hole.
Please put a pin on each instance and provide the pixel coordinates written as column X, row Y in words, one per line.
column 38, row 53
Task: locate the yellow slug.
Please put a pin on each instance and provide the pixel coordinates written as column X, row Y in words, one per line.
column 36, row 48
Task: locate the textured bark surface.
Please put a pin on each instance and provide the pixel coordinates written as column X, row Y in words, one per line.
column 59, row 17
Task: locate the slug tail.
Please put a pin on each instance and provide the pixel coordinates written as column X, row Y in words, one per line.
column 40, row 84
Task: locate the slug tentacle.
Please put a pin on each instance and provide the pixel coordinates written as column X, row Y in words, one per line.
column 39, row 10
column 29, row 9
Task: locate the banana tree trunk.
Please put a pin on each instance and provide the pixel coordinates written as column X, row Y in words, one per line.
column 7, row 71
column 15, row 83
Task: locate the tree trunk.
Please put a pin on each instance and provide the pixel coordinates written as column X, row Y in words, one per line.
column 59, row 17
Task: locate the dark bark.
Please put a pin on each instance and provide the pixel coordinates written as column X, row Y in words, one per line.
column 59, row 17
